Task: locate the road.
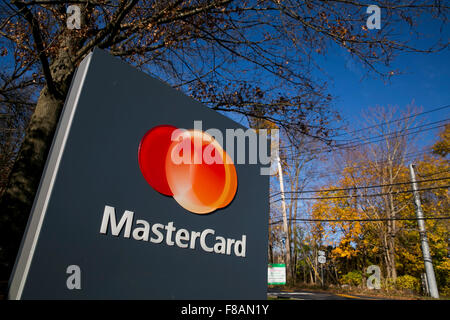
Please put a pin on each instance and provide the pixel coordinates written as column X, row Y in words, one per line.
column 315, row 295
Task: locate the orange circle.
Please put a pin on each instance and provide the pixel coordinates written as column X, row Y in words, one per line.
column 191, row 166
column 199, row 184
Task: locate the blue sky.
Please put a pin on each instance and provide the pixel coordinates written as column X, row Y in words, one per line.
column 425, row 80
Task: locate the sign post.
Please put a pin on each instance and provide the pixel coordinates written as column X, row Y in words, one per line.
column 106, row 225
column 277, row 274
column 322, row 260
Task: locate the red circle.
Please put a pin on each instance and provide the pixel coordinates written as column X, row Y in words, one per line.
column 152, row 157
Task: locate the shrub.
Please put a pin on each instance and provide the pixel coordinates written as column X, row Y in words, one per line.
column 353, row 278
column 445, row 291
column 408, row 282
column 388, row 284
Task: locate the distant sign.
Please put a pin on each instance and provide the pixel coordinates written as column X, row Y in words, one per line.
column 276, row 273
column 322, row 257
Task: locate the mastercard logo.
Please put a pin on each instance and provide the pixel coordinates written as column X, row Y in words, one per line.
column 188, row 165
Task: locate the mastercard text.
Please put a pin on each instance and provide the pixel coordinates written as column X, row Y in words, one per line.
column 168, row 234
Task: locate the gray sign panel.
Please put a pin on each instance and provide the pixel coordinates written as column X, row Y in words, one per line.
column 92, row 176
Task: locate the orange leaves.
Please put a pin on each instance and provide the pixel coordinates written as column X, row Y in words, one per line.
column 442, row 146
column 344, row 234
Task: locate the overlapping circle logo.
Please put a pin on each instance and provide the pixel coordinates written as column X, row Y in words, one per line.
column 189, row 165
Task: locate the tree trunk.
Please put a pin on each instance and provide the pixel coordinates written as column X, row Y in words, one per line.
column 391, row 253
column 23, row 182
column 393, row 231
column 26, row 173
column 304, row 274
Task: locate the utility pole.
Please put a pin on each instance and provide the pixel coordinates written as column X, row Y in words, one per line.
column 285, row 225
column 431, row 279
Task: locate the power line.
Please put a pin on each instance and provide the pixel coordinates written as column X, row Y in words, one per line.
column 295, row 155
column 385, row 123
column 298, row 153
column 402, row 158
column 358, row 140
column 359, row 195
column 392, row 121
column 336, row 172
column 327, row 149
column 351, row 146
column 362, row 187
column 395, row 132
column 362, row 220
column 433, row 174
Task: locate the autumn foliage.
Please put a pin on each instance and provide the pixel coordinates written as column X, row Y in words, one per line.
column 367, row 215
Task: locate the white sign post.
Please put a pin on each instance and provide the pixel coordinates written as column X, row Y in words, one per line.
column 322, row 258
column 276, row 274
